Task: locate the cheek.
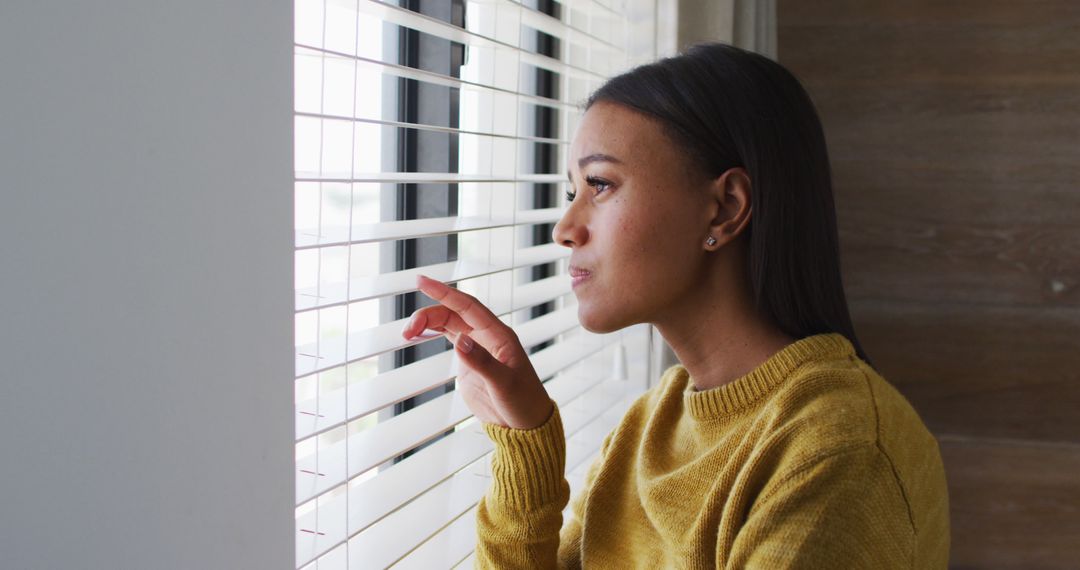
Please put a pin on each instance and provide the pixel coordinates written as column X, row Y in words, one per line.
column 648, row 236
column 640, row 269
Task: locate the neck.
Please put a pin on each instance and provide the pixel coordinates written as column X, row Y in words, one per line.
column 717, row 335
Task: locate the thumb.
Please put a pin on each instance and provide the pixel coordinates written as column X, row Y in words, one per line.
column 477, row 357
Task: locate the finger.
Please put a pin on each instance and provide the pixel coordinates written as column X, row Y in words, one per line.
column 448, row 324
column 477, row 358
column 473, row 312
column 487, row 330
column 436, row 318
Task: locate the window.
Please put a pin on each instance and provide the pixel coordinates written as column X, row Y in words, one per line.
column 430, row 137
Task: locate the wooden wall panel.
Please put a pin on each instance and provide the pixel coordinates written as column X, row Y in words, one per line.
column 998, row 372
column 954, row 136
column 1013, row 506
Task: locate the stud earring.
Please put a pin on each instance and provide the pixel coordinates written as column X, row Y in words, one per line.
column 711, row 241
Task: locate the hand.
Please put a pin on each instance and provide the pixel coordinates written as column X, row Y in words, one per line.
column 498, row 382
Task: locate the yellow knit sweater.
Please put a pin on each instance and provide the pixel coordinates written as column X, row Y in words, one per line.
column 812, row 460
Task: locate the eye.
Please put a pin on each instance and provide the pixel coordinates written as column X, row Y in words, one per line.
column 591, row 181
column 595, row 182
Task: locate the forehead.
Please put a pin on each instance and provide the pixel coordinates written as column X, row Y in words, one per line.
column 618, row 131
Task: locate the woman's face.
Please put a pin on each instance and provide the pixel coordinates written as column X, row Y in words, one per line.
column 638, row 221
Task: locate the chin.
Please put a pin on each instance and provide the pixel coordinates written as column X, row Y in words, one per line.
column 598, row 322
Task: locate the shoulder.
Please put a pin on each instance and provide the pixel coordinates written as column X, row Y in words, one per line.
column 845, row 403
column 825, row 406
column 831, row 406
column 844, row 409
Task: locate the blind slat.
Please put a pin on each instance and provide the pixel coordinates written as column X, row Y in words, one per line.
column 458, row 540
column 440, row 29
column 404, row 281
column 426, row 177
column 426, row 227
column 450, row 545
column 371, row 112
column 328, row 409
column 433, row 128
column 326, row 354
column 400, row 532
column 563, row 30
column 374, row 499
column 405, row 72
column 331, row 466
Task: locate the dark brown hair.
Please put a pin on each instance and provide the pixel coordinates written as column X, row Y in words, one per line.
column 730, row 107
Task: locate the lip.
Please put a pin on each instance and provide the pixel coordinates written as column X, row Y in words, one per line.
column 578, row 275
column 576, row 271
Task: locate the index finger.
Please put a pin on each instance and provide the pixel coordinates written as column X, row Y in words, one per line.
column 474, row 313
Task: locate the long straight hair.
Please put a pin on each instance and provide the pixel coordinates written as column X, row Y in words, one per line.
column 730, row 107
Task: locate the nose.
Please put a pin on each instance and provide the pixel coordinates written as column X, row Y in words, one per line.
column 569, row 232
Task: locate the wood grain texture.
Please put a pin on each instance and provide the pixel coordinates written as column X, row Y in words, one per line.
column 1011, row 13
column 1012, row 505
column 954, row 137
column 992, row 372
column 891, row 255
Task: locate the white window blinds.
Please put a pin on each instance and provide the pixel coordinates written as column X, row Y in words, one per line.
column 432, row 137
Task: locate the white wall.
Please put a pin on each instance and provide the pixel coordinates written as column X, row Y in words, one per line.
column 146, row 284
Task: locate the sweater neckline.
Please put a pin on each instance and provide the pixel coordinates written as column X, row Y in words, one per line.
column 721, row 401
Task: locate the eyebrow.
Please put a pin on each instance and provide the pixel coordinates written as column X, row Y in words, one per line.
column 598, row 157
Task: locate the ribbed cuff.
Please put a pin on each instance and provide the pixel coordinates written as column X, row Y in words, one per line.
column 528, row 466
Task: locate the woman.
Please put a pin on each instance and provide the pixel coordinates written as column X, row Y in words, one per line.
column 702, row 204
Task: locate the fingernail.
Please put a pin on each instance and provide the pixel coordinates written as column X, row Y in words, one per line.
column 466, row 344
column 408, row 324
column 431, row 282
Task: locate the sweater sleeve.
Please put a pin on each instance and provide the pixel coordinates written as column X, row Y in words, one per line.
column 519, row 518
column 843, row 510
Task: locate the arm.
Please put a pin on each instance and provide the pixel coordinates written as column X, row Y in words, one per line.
column 843, row 510
column 519, row 518
column 499, row 528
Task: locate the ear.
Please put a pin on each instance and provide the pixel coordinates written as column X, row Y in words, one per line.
column 732, row 206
